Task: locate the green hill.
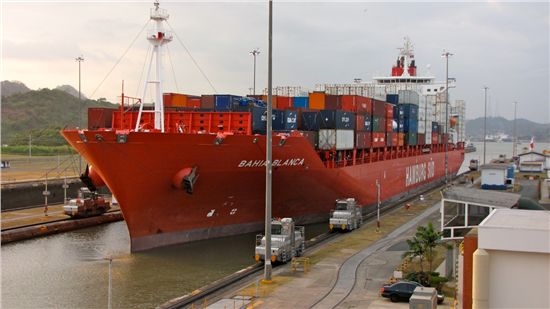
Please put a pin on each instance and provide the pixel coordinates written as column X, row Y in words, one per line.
column 42, row 113
column 525, row 128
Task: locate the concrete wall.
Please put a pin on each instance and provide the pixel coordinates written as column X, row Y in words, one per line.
column 29, row 194
column 519, row 279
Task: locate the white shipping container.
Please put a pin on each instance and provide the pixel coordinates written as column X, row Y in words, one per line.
column 428, row 138
column 421, row 126
column 336, row 139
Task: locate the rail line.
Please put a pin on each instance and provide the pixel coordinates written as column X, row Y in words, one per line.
column 222, row 284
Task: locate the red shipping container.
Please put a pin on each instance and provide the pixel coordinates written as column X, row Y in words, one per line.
column 283, row 102
column 421, row 139
column 360, row 122
column 389, row 111
column 194, row 102
column 378, row 140
column 394, row 139
column 363, row 104
column 363, row 140
column 435, row 138
column 333, row 101
column 353, row 103
column 378, row 108
column 389, row 139
column 207, row 101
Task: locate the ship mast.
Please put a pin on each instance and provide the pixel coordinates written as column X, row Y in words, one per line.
column 157, row 37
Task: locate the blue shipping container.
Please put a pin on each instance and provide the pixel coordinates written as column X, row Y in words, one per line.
column 337, row 119
column 259, row 119
column 311, row 121
column 278, row 119
column 435, row 127
column 225, row 102
column 410, row 125
column 392, row 98
column 368, row 123
column 409, row 110
column 290, row 120
column 398, row 112
column 300, row 102
column 510, row 172
column 401, row 125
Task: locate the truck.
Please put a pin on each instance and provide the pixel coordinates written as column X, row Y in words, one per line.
column 287, row 241
column 474, row 165
column 347, row 216
column 87, row 204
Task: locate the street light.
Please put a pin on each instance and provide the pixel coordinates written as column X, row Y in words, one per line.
column 514, row 151
column 254, row 53
column 446, row 54
column 79, row 60
column 485, row 126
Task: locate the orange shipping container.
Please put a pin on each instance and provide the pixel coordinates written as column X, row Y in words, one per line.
column 401, row 139
column 349, row 103
column 175, row 100
column 317, row 100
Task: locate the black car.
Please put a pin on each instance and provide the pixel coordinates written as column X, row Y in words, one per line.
column 403, row 290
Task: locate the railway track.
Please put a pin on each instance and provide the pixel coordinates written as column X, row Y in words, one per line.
column 250, row 272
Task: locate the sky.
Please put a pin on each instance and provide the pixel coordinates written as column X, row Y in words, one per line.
column 502, row 45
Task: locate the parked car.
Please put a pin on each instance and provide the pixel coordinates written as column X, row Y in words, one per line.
column 403, row 290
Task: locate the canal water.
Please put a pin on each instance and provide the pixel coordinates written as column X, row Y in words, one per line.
column 70, row 270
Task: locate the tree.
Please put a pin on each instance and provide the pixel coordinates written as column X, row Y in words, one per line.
column 416, row 249
column 429, row 239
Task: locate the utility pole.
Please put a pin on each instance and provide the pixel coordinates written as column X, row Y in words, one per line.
column 446, row 54
column 110, row 294
column 485, row 127
column 514, row 151
column 30, row 147
column 254, row 53
column 79, row 60
column 268, row 140
column 377, row 206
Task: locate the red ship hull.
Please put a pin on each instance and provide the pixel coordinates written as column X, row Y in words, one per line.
column 228, row 196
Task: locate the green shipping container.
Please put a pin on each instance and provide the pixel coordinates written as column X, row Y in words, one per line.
column 378, row 124
column 411, row 138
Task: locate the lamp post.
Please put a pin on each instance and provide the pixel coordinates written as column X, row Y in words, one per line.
column 446, row 54
column 514, row 151
column 377, row 206
column 485, row 126
column 79, row 60
column 268, row 140
column 254, row 53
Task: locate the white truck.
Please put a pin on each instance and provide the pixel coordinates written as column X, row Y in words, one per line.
column 347, row 215
column 287, row 241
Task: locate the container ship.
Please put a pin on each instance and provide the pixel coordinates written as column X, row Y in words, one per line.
column 186, row 168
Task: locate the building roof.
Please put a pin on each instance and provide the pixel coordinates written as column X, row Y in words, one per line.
column 482, row 197
column 516, row 230
column 535, row 153
column 494, row 166
column 532, row 163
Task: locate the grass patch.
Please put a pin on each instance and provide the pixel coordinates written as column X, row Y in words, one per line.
column 38, row 150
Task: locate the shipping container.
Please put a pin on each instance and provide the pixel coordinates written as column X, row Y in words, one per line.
column 435, row 127
column 278, row 119
column 363, row 140
column 421, row 126
column 312, row 137
column 360, row 122
column 282, row 102
column 435, row 138
column 392, row 98
column 420, row 139
column 317, row 100
column 389, row 111
column 378, row 124
column 174, row 100
column 337, row 119
column 400, row 139
column 259, row 120
column 428, row 138
column 401, row 125
column 378, row 140
column 364, row 105
column 408, row 97
column 409, row 110
column 389, row 125
column 333, row 102
column 411, row 138
column 310, row 121
column 368, row 123
column 290, row 120
column 225, row 102
column 398, row 112
column 300, row 102
column 100, row 117
column 378, row 108
column 391, row 139
column 207, row 101
column 336, row 139
column 410, row 125
column 349, row 103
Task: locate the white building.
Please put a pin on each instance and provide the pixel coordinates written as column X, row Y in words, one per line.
column 511, row 266
column 493, row 176
column 533, row 162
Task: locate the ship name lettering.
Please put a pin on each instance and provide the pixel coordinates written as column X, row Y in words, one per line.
column 419, row 172
column 276, row 163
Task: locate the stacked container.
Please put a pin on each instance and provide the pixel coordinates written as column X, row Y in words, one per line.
column 337, row 130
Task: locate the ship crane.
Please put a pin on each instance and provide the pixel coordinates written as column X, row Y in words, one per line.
column 158, row 38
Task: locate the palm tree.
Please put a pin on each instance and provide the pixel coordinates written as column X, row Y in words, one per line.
column 429, row 239
column 416, row 249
